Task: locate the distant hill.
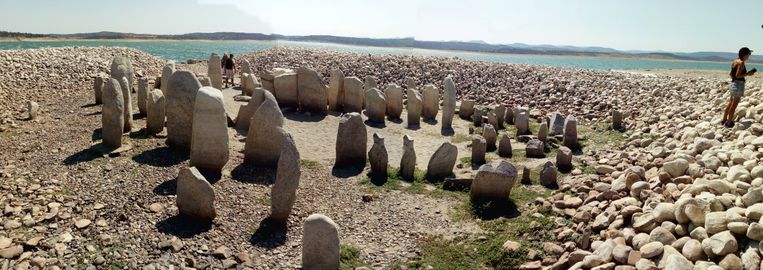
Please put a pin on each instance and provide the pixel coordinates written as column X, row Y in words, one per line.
column 409, row 42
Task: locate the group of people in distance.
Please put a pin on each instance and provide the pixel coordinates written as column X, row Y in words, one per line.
column 229, row 69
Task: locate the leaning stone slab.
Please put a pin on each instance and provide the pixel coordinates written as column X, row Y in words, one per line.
column 414, row 107
column 245, row 112
column 408, row 161
column 353, row 94
column 155, row 108
column 313, row 95
column 351, row 141
column 215, row 71
column 336, row 90
column 494, row 183
column 430, row 102
column 181, row 97
column 286, row 89
column 284, row 191
column 263, row 141
column 195, row 196
column 442, row 162
column 209, row 141
column 250, row 82
column 448, row 103
column 320, row 243
column 376, row 105
column 112, row 117
column 394, row 94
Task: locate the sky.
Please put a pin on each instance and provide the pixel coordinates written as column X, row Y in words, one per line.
column 667, row 25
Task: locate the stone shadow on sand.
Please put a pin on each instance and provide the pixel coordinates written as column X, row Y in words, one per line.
column 302, row 117
column 493, row 209
column 412, row 127
column 164, row 156
column 92, row 113
column 269, row 234
column 168, row 187
column 89, row 105
column 447, row 132
column 97, row 134
column 247, row 173
column 85, row 155
column 183, row 226
column 375, row 124
column 347, row 171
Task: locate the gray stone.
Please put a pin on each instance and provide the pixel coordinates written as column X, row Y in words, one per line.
column 121, row 66
column 245, row 112
column 442, row 162
column 617, row 120
column 394, row 94
column 570, row 132
column 500, row 114
column 353, row 95
column 155, row 107
column 490, row 134
column 408, row 161
column 448, row 103
column 209, row 140
column 564, row 158
column 320, row 243
column 678, row 262
column 651, row 250
column 167, row 71
column 692, row 250
column 181, row 96
column 351, row 141
column 32, row 109
column 479, row 147
column 127, row 97
column 543, row 132
column 377, row 157
column 414, row 107
column 98, row 82
column 466, row 110
column 534, row 149
column 195, row 196
column 720, row 244
column 142, row 95
column 249, row 84
column 557, row 123
column 522, row 122
column 676, row 167
column 430, row 102
column 215, row 71
column 313, row 94
column 112, row 116
column 336, row 90
column 494, row 183
column 376, row 105
column 284, row 191
column 548, row 175
column 504, row 146
column 286, row 89
column 263, row 143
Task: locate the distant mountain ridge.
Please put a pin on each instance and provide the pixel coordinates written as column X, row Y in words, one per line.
column 408, row 42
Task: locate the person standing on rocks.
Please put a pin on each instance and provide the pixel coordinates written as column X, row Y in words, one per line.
column 230, row 66
column 738, row 74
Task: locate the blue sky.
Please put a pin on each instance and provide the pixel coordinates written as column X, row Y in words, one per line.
column 670, row 25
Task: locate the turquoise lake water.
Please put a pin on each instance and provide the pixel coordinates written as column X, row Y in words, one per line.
column 183, row 50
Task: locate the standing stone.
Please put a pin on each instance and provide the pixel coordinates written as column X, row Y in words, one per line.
column 477, row 116
column 410, row 83
column 510, row 116
column 245, row 112
column 479, row 147
column 414, row 108
column 209, row 141
column 263, row 140
column 284, row 191
column 543, row 132
column 500, row 114
column 112, row 117
column 522, row 122
column 204, row 81
column 320, row 243
column 504, row 146
column 124, row 84
column 494, row 183
column 408, row 161
column 370, row 83
column 570, row 132
column 492, row 119
column 534, row 149
column 268, row 81
column 617, row 120
column 215, row 71
column 155, row 108
column 98, row 89
column 377, row 156
column 181, row 97
column 167, row 71
column 557, row 123
column 394, row 94
column 336, row 90
column 195, row 196
column 488, row 131
column 564, row 158
column 32, row 109
column 351, row 141
column 313, row 95
column 286, row 89
column 431, row 102
column 442, row 162
column 448, row 103
column 142, row 95
column 376, row 105
column 246, row 68
column 122, row 67
column 548, row 175
column 353, row 95
column 466, row 110
column 250, row 83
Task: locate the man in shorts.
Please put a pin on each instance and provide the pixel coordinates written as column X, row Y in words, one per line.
column 230, row 67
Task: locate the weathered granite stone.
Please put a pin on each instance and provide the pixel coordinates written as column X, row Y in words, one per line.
column 263, row 141
column 98, row 82
column 493, row 183
column 394, row 96
column 448, row 103
column 215, row 71
column 142, row 95
column 286, row 89
column 414, row 108
column 167, row 71
column 245, row 112
column 195, row 196
column 430, row 102
column 378, row 158
column 504, row 146
column 181, row 97
column 408, row 161
column 570, row 132
column 112, row 117
column 320, row 243
column 209, row 140
column 124, row 84
column 351, row 141
column 313, row 94
column 442, row 162
column 376, row 105
column 336, row 90
column 155, row 107
column 466, row 110
column 284, row 191
column 353, row 94
column 479, row 147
